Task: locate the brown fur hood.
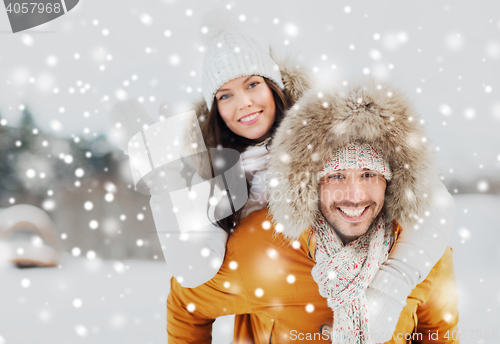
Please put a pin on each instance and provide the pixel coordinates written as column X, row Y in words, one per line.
column 296, row 80
column 325, row 120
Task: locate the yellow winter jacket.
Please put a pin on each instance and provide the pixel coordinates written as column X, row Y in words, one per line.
column 267, row 283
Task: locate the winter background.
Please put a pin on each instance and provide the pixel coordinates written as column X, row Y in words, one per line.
column 59, row 80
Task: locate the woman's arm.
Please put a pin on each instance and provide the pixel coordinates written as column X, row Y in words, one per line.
column 192, row 257
column 415, row 253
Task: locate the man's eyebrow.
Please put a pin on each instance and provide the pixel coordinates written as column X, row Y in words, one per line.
column 227, row 89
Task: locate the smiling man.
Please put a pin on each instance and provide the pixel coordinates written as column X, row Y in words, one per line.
column 352, row 190
column 355, row 165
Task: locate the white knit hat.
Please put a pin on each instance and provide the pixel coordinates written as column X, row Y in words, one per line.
column 233, row 54
column 357, row 156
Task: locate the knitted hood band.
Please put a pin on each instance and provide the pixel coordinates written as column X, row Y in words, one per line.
column 357, row 156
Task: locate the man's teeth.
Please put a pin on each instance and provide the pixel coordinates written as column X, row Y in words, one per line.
column 353, row 213
column 249, row 118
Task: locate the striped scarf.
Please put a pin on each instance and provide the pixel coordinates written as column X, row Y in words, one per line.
column 344, row 272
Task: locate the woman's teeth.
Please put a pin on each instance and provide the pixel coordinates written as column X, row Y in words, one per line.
column 353, row 213
column 251, row 117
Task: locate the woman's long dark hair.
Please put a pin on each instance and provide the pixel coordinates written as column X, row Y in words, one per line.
column 217, row 134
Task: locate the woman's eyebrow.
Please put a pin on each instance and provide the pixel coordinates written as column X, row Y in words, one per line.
column 227, row 89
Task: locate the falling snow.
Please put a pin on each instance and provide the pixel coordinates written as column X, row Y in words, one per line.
column 58, row 86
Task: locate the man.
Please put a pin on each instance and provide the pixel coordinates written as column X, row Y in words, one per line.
column 337, row 166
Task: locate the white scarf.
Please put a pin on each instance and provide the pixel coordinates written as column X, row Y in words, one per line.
column 254, row 161
column 344, row 272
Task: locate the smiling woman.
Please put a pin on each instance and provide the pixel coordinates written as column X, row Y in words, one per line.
column 245, row 112
column 246, row 105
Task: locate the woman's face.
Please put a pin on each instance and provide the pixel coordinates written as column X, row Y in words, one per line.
column 247, row 106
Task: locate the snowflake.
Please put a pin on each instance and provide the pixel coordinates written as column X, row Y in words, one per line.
column 30, row 173
column 25, row 283
column 146, row 19
column 291, row 30
column 375, row 54
column 49, row 205
column 454, row 41
column 119, row 267
column 51, row 60
column 464, row 233
column 81, row 330
column 174, row 60
column 272, row 253
column 93, row 224
column 483, row 186
column 77, row 303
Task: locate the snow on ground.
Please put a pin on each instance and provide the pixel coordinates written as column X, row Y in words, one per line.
column 103, row 302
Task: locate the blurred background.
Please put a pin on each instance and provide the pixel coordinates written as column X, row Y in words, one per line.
column 59, row 80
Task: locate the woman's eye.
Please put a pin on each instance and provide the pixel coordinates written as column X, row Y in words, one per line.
column 224, row 96
column 369, row 175
column 335, row 176
column 253, row 84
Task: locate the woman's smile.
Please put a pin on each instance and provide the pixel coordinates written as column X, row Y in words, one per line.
column 251, row 118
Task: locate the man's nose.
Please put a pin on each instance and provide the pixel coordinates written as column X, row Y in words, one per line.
column 354, row 190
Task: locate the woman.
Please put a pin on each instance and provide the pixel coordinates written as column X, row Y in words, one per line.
column 240, row 81
column 246, row 96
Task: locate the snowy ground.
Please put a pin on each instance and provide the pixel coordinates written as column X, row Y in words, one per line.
column 103, row 302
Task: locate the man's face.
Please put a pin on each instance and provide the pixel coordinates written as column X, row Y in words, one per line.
column 350, row 200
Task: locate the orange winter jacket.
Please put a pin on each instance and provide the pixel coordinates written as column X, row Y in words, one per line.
column 267, row 283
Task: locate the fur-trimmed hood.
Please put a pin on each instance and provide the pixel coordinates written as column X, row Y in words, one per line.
column 296, row 80
column 325, row 120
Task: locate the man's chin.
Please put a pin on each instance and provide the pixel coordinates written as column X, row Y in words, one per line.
column 348, row 229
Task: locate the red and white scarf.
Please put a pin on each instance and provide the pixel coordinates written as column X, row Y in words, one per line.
column 344, row 272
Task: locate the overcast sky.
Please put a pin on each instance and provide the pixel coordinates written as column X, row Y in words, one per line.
column 444, row 54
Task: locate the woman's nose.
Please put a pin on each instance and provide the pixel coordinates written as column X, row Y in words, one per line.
column 245, row 101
